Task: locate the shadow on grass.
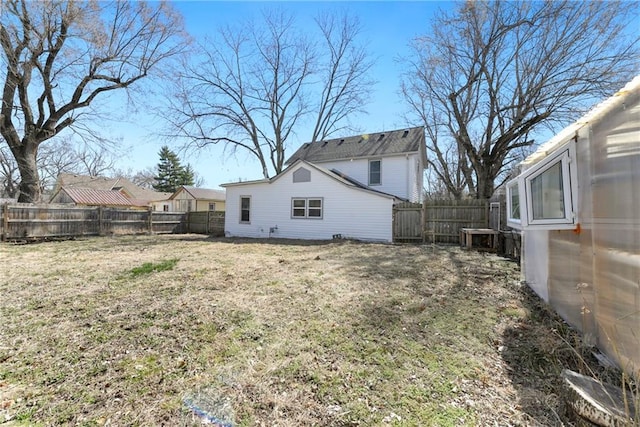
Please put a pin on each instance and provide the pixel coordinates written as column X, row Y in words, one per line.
column 537, row 348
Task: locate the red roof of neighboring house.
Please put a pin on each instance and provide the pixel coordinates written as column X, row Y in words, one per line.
column 91, row 197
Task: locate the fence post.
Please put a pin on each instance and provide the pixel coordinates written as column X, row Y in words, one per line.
column 100, row 221
column 150, row 219
column 208, row 229
column 5, row 221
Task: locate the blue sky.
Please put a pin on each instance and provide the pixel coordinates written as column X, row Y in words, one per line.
column 388, row 28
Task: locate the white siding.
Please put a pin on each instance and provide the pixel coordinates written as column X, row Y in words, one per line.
column 347, row 211
column 401, row 175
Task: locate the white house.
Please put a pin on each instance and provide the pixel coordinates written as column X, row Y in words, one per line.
column 344, row 187
column 392, row 162
column 307, row 202
column 577, row 202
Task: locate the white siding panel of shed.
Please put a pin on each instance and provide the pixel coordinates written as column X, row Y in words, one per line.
column 347, row 211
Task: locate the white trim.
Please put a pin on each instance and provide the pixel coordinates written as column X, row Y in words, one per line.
column 566, row 157
column 511, row 221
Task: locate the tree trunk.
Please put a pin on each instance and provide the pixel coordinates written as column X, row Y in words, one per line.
column 485, row 185
column 25, row 155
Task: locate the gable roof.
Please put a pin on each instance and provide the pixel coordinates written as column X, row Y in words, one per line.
column 201, row 193
column 92, row 197
column 401, row 141
column 334, row 174
column 69, row 180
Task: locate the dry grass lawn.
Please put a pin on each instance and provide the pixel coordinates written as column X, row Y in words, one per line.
column 180, row 330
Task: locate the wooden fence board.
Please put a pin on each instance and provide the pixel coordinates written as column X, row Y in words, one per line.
column 439, row 220
column 27, row 221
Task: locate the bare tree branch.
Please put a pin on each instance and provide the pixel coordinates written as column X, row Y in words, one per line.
column 493, row 74
column 67, row 54
column 256, row 83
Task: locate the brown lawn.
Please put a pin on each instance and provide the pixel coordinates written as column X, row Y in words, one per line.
column 173, row 330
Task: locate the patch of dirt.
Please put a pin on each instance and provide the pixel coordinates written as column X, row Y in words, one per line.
column 275, row 333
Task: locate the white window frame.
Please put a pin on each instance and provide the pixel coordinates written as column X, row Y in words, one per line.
column 249, row 210
column 566, row 156
column 511, row 220
column 212, row 206
column 306, row 207
column 380, row 172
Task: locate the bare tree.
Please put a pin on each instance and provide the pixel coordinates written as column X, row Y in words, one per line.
column 257, row 83
column 63, row 155
column 343, row 75
column 9, row 174
column 61, row 55
column 492, row 74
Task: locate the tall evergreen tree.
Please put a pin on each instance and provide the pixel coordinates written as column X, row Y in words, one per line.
column 171, row 173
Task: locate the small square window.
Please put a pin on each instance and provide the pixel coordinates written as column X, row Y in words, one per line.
column 315, row 208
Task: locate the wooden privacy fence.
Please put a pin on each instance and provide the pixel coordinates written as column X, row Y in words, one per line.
column 438, row 220
column 206, row 222
column 26, row 221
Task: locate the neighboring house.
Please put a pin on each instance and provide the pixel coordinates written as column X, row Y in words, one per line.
column 392, row 162
column 187, row 199
column 307, row 201
column 152, row 198
column 344, row 187
column 91, row 197
column 577, row 202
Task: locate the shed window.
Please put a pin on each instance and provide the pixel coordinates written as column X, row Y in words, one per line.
column 375, row 172
column 513, row 204
column 306, row 208
column 245, row 209
column 545, row 196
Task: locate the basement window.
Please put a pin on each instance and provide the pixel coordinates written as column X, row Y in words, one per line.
column 306, row 208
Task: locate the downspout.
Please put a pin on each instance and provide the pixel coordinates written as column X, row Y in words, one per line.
column 408, row 191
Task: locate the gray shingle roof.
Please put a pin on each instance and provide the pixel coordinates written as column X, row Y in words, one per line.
column 366, row 145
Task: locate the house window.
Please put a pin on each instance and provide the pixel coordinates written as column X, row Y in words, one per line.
column 306, row 208
column 545, row 196
column 375, row 172
column 165, row 208
column 212, row 207
column 245, row 209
